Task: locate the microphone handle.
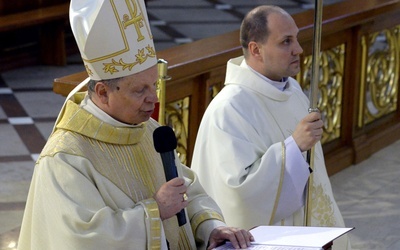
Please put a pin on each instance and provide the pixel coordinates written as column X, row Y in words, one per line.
column 181, row 217
column 168, row 160
column 170, row 171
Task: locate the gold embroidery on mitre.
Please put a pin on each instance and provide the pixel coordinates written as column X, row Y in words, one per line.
column 141, row 57
column 137, row 20
column 88, row 70
column 119, row 60
column 322, row 210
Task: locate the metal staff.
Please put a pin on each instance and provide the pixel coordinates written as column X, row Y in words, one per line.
column 313, row 100
column 161, row 88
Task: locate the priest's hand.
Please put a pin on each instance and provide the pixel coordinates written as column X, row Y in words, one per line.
column 239, row 238
column 171, row 198
column 309, row 131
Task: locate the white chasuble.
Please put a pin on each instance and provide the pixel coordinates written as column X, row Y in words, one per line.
column 243, row 163
column 93, row 188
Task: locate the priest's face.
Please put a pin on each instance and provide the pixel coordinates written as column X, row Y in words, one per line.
column 134, row 98
column 280, row 54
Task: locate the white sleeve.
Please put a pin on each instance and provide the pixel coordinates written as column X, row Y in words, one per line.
column 294, row 180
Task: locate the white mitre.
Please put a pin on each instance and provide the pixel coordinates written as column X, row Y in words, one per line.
column 113, row 37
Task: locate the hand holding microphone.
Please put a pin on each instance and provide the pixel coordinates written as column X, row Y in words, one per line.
column 171, row 197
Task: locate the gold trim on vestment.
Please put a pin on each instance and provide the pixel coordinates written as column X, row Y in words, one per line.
column 184, row 242
column 278, row 195
column 127, row 159
column 322, row 209
column 153, row 217
column 199, row 218
column 135, row 168
column 80, row 121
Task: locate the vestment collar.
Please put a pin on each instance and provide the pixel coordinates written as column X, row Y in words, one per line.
column 75, row 118
column 236, row 74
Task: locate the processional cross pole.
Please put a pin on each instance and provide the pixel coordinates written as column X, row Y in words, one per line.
column 313, row 101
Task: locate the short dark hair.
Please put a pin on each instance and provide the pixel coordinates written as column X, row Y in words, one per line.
column 112, row 83
column 254, row 26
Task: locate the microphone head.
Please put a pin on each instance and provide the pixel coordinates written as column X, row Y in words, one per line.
column 164, row 139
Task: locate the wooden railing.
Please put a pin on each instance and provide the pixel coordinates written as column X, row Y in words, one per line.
column 359, row 79
column 23, row 24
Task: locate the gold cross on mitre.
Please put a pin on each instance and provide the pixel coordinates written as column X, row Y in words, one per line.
column 113, row 36
column 135, row 18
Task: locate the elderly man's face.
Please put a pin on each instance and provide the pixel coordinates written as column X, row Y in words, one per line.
column 281, row 52
column 134, row 100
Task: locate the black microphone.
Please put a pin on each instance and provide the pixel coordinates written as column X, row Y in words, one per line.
column 165, row 143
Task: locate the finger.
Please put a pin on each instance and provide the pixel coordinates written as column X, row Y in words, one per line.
column 177, row 181
column 237, row 238
column 184, row 204
column 212, row 245
column 316, row 127
column 319, row 123
column 181, row 189
column 313, row 116
column 242, row 239
column 248, row 237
